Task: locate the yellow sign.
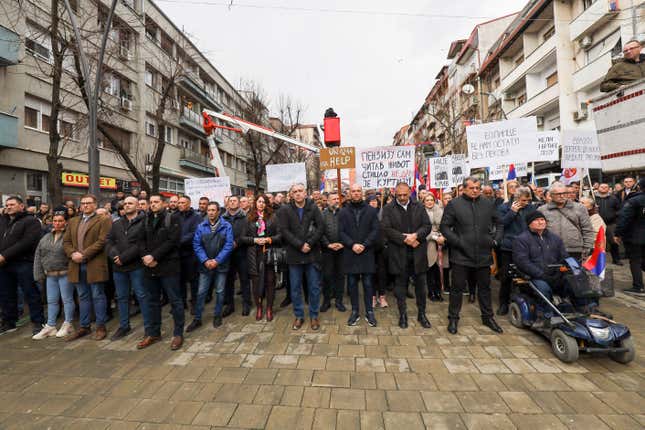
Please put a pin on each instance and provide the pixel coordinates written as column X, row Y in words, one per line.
column 83, row 181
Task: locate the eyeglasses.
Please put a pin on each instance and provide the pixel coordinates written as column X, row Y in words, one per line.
column 91, row 202
column 560, row 194
column 626, row 50
column 60, row 213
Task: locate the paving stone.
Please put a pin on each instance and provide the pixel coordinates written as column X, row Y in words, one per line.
column 482, row 402
column 312, row 362
column 438, row 401
column 550, row 402
column 622, row 422
column 260, row 376
column 414, row 381
column 487, row 422
column 250, row 416
column 488, row 382
column 324, row 378
column 372, row 420
column 283, row 417
column 396, row 365
column 185, row 412
column 626, row 402
column 292, row 396
column 316, row 397
column 236, row 393
column 269, row 395
column 153, row 411
column 404, row 401
column 455, row 382
column 293, row 377
column 584, row 403
column 370, row 365
column 537, row 422
column 583, row 422
column 518, row 365
column 348, row 420
column 364, row 380
column 215, row 414
column 375, row 400
column 460, row 365
column 546, row 382
column 343, row 398
column 324, row 419
column 520, row 402
column 403, row 420
column 115, row 407
column 284, row 362
column 435, row 421
column 351, row 351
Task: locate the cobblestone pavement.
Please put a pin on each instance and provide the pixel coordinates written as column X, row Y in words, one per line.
column 250, row 374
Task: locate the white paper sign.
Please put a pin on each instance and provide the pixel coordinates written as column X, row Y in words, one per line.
column 548, row 142
column 502, row 142
column 385, row 166
column 440, row 172
column 501, row 171
column 460, row 169
column 280, row 177
column 216, row 189
column 580, row 149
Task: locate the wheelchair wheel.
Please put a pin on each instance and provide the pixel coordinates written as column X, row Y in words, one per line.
column 627, row 356
column 564, row 346
column 515, row 315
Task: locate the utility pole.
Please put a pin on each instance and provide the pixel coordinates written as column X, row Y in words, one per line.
column 93, row 161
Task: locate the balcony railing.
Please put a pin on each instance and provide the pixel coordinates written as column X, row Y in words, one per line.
column 531, row 60
column 8, row 130
column 593, row 73
column 192, row 120
column 592, row 18
column 536, row 104
column 9, row 47
column 196, row 161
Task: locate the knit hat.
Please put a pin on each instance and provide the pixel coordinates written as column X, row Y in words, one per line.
column 533, row 216
column 371, row 197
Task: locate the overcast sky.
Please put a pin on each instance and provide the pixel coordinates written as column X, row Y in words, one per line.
column 373, row 61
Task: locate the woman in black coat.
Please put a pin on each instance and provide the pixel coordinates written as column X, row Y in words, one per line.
column 262, row 237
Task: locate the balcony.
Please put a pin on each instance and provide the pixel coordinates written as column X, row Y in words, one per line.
column 494, row 97
column 9, row 47
column 541, row 102
column 591, row 19
column 192, row 120
column 191, row 83
column 593, row 73
column 533, row 59
column 8, row 130
column 193, row 160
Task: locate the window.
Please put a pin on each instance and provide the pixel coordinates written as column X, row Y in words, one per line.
column 171, row 184
column 31, row 117
column 38, row 50
column 521, row 99
column 34, row 181
column 587, row 3
column 519, row 60
column 168, row 135
column 611, row 43
column 552, row 79
column 45, row 122
column 151, row 30
column 66, row 129
column 151, row 129
column 549, row 33
column 149, row 78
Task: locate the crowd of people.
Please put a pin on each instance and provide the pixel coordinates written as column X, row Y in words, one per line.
column 142, row 252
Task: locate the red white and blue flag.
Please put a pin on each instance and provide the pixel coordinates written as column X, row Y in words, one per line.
column 322, row 183
column 511, row 173
column 597, row 262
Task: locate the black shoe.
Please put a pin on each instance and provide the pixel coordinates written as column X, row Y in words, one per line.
column 325, row 306
column 6, row 327
column 452, row 327
column 618, row 263
column 37, row 327
column 286, row 302
column 246, row 310
column 433, row 297
column 371, row 319
column 492, row 324
column 503, row 309
column 194, row 325
column 341, row 307
column 423, row 320
column 471, row 298
column 409, row 295
column 120, row 333
column 228, row 310
column 634, row 290
column 353, row 318
column 403, row 320
column 217, row 321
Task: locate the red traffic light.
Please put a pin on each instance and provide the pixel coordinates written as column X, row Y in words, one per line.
column 332, row 131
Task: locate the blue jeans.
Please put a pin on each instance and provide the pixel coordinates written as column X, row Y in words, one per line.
column 206, row 279
column 88, row 295
column 368, row 290
column 57, row 287
column 313, row 283
column 153, row 286
column 19, row 275
column 123, row 281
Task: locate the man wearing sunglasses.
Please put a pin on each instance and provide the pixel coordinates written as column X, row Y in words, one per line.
column 631, row 68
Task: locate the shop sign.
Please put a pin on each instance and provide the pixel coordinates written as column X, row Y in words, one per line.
column 82, row 180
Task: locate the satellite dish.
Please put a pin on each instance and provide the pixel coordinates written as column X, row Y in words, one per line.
column 468, row 89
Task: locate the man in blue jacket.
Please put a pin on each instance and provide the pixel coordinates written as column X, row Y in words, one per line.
column 213, row 244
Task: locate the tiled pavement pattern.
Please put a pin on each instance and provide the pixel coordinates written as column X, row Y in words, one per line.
column 265, row 375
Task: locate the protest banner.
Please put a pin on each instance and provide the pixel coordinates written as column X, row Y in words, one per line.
column 280, row 177
column 384, row 167
column 500, row 171
column 460, row 169
column 502, row 142
column 338, row 157
column 448, row 171
column 580, row 149
column 216, row 189
column 548, row 143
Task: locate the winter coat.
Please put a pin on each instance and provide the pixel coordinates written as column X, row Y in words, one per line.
column 331, row 232
column 19, row 237
column 631, row 220
column 239, row 223
column 123, row 241
column 622, row 73
column 189, row 220
column 532, row 253
column 435, row 214
column 161, row 240
column 296, row 232
column 608, row 207
column 217, row 245
column 49, row 256
column 255, row 251
column 572, row 224
column 358, row 224
column 472, row 228
column 514, row 222
column 397, row 221
column 93, row 248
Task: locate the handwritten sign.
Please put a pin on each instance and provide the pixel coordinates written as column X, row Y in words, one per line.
column 280, row 177
column 501, row 171
column 384, row 167
column 339, row 157
column 502, row 142
column 580, row 149
column 547, row 146
column 216, row 189
column 448, row 171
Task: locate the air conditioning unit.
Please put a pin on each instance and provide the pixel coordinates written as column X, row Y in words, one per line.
column 539, row 120
column 126, row 104
column 580, row 116
column 585, row 42
column 124, row 53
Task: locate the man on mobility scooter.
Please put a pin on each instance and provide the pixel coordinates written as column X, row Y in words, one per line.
column 539, row 258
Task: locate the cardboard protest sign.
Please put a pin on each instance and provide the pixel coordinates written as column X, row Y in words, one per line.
column 548, row 143
column 216, row 189
column 502, row 142
column 280, row 177
column 384, row 167
column 339, row 157
column 580, row 149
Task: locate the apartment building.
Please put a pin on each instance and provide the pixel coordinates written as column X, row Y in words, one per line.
column 147, row 53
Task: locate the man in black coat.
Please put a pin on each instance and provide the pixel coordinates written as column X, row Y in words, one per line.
column 472, row 229
column 122, row 246
column 359, row 230
column 159, row 250
column 406, row 226
column 630, row 229
column 189, row 219
column 332, row 256
column 608, row 208
column 301, row 225
column 239, row 264
column 19, row 237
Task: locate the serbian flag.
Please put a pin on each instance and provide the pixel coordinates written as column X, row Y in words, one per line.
column 322, row 183
column 597, row 262
column 511, row 173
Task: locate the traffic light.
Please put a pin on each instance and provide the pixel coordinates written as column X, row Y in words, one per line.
column 331, row 128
